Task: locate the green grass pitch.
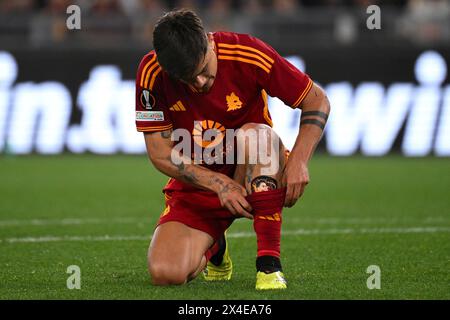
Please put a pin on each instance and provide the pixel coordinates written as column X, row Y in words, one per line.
column 99, row 213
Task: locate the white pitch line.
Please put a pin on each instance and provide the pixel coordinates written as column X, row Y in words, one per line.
column 73, row 238
column 352, row 231
column 128, row 220
column 298, row 232
column 67, row 221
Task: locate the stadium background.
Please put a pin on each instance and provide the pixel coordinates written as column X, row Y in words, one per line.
column 77, row 188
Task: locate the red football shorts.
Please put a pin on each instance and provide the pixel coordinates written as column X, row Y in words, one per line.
column 197, row 209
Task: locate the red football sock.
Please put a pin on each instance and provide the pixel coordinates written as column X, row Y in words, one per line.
column 267, row 207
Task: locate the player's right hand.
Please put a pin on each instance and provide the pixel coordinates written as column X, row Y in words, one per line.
column 232, row 196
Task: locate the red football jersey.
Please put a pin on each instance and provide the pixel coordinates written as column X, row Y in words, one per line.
column 247, row 70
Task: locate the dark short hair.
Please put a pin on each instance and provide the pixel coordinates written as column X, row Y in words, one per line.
column 180, row 43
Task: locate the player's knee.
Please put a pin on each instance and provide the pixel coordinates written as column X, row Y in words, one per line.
column 259, row 144
column 253, row 126
column 167, row 274
column 252, row 135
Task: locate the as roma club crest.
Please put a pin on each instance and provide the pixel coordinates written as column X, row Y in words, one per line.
column 147, row 100
column 233, row 102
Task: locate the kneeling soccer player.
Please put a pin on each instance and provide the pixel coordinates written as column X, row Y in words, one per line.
column 195, row 83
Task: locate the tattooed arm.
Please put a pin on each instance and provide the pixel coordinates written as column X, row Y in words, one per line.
column 315, row 110
column 231, row 194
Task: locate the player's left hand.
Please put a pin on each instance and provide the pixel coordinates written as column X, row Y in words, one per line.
column 295, row 178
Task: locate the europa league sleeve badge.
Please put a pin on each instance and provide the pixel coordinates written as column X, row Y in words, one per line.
column 147, row 100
